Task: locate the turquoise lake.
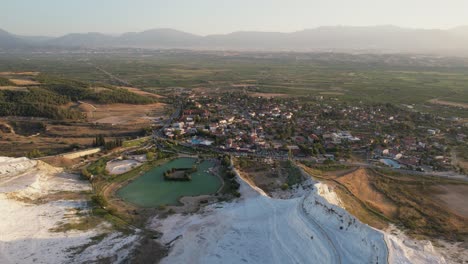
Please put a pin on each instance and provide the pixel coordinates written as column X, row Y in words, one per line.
column 151, row 190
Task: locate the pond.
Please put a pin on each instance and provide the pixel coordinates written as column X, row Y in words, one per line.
column 151, row 190
column 391, row 163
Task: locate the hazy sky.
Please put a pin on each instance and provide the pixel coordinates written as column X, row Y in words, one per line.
column 57, row 17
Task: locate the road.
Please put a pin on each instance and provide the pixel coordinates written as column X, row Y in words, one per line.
column 159, row 133
column 120, row 81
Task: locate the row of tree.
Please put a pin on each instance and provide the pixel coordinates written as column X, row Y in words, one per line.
column 100, row 141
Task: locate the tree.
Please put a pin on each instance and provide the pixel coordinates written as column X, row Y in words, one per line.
column 35, row 153
column 99, row 141
column 226, row 161
column 86, row 174
column 150, row 155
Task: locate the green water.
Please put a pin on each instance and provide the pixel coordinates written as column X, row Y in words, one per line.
column 151, row 190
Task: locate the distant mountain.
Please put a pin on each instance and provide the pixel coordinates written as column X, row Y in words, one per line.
column 380, row 38
column 338, row 38
column 10, row 41
column 162, row 38
column 34, row 39
column 82, row 40
column 155, row 38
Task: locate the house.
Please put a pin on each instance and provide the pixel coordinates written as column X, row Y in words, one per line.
column 313, row 138
column 288, row 115
column 294, row 149
column 299, row 139
column 178, row 125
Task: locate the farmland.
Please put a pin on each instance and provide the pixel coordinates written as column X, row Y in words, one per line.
column 395, row 79
column 268, row 113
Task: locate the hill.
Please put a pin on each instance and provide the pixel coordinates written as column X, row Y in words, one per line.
column 376, row 39
column 10, row 41
column 50, row 97
column 78, row 40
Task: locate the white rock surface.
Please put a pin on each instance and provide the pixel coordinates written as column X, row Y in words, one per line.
column 260, row 229
column 25, row 228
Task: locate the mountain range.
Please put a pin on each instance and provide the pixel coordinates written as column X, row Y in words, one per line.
column 335, row 38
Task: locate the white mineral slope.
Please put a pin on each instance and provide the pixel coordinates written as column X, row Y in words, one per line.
column 17, row 173
column 25, row 228
column 404, row 250
column 260, row 229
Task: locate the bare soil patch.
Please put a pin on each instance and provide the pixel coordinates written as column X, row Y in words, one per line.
column 140, row 92
column 100, row 89
column 449, row 103
column 377, row 197
column 24, row 82
column 455, row 197
column 18, row 145
column 268, row 177
column 358, row 183
column 79, row 130
column 14, row 88
column 61, row 162
column 121, row 114
column 26, row 73
column 268, row 95
column 351, row 202
column 331, row 93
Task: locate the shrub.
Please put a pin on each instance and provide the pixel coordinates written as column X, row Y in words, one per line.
column 99, row 200
column 86, row 174
column 35, row 153
column 150, row 155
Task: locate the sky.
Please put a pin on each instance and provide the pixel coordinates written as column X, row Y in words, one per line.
column 203, row 17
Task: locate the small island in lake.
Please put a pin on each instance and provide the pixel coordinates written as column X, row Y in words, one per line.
column 180, row 174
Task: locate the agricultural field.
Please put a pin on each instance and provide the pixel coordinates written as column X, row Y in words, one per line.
column 114, row 101
column 434, row 85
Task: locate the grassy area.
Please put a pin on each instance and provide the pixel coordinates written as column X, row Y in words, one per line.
column 136, row 142
column 417, row 209
column 294, row 175
column 81, row 224
column 417, row 179
column 398, row 79
column 362, row 210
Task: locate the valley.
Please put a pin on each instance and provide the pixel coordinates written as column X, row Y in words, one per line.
column 204, row 157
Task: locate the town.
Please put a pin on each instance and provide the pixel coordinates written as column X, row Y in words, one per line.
column 317, row 129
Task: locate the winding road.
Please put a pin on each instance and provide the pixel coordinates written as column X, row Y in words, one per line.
column 325, row 237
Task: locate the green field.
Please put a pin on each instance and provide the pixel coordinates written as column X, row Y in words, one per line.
column 398, row 79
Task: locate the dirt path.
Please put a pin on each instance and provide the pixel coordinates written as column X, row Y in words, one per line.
column 308, row 218
column 448, row 103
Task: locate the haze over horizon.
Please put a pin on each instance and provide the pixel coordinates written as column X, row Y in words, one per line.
column 206, row 17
